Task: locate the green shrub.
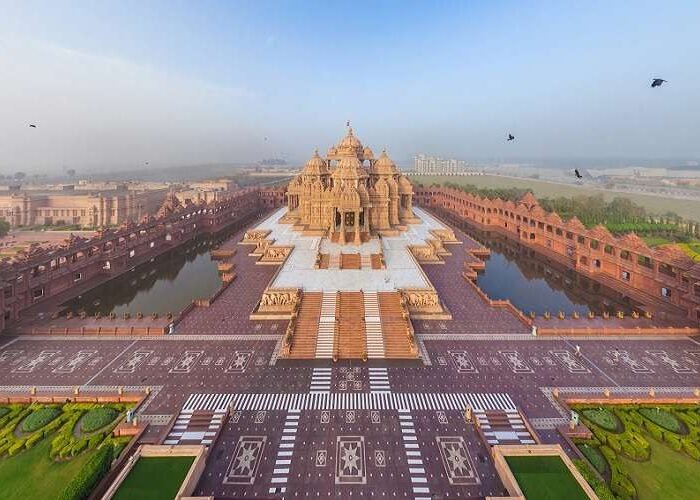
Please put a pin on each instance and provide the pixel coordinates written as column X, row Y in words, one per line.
column 690, row 448
column 87, row 478
column 600, row 487
column 614, row 443
column 653, row 429
column 16, row 447
column 673, row 441
column 603, row 418
column 98, row 418
column 95, row 440
column 662, row 418
column 4, row 410
column 595, row 457
column 39, row 418
column 33, row 439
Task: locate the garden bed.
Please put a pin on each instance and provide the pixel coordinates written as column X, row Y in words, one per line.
column 634, row 459
column 40, row 456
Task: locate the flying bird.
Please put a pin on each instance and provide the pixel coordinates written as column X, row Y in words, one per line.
column 656, row 82
column 578, row 175
column 511, row 137
column 31, row 125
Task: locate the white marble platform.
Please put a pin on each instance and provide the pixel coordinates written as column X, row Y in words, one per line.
column 402, row 270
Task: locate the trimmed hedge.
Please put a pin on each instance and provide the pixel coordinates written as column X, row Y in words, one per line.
column 603, row 418
column 663, row 418
column 98, row 418
column 87, row 478
column 595, row 457
column 600, row 487
column 39, row 418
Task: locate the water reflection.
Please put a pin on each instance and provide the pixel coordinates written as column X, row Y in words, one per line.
column 534, row 283
column 167, row 284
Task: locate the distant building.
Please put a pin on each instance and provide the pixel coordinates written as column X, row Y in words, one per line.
column 94, row 205
column 434, row 165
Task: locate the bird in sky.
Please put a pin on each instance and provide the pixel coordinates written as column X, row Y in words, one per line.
column 31, row 125
column 146, row 163
column 578, row 175
column 656, row 82
column 511, row 137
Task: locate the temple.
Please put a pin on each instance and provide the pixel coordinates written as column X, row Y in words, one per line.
column 351, row 194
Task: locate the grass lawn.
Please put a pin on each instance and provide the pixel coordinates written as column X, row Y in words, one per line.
column 32, row 474
column 545, row 478
column 154, row 478
column 668, row 474
column 689, row 209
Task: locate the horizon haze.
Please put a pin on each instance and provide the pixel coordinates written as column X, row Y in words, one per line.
column 113, row 85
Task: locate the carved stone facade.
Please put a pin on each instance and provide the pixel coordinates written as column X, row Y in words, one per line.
column 350, row 191
column 280, row 300
column 422, row 301
column 254, row 236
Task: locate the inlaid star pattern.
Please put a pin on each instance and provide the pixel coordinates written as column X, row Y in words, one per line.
column 350, row 459
column 457, row 460
column 246, row 459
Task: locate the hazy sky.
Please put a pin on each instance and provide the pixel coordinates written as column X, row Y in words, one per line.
column 114, row 84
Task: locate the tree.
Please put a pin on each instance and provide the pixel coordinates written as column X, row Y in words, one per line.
column 71, row 172
column 20, row 175
column 4, row 228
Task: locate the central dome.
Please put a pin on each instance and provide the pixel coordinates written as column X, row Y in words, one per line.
column 350, row 144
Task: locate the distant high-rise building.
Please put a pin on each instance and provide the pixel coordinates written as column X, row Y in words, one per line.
column 434, row 165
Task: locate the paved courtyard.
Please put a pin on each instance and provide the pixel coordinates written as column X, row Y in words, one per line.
column 316, row 429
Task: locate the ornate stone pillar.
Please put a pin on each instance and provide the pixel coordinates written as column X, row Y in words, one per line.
column 341, row 239
column 358, row 238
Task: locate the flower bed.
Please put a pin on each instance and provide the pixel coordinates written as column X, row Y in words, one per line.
column 664, row 419
column 615, row 453
column 603, row 417
column 39, row 418
column 98, row 418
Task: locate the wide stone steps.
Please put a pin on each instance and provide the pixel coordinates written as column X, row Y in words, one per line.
column 394, row 326
column 350, row 261
column 351, row 328
column 350, row 325
column 306, row 332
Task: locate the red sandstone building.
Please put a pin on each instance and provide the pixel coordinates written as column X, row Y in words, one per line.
column 663, row 279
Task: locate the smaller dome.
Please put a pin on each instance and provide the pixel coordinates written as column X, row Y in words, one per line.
column 384, row 165
column 367, row 153
column 316, row 165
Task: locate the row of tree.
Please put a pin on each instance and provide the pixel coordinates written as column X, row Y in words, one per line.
column 619, row 216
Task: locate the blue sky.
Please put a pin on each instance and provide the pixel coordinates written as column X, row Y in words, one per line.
column 112, row 83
